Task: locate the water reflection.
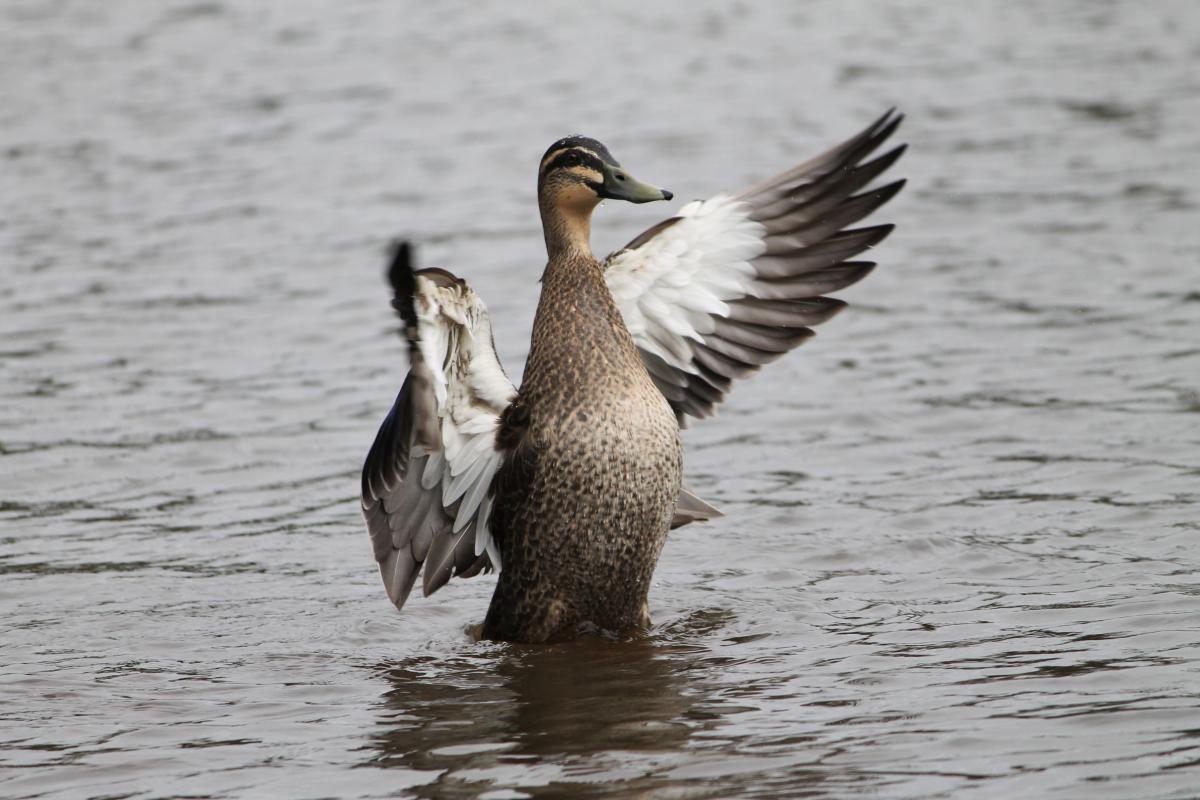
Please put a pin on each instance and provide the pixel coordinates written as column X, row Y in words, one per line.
column 593, row 707
column 595, row 696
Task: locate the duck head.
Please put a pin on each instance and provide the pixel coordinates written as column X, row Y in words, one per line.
column 576, row 173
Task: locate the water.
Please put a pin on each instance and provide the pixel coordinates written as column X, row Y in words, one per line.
column 960, row 557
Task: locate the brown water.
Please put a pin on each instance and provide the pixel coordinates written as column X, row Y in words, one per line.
column 960, row 557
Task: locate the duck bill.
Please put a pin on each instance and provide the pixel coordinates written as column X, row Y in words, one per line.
column 620, row 185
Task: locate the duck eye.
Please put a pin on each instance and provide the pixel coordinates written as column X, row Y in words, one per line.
column 572, row 160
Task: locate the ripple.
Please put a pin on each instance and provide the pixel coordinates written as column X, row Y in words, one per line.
column 958, row 552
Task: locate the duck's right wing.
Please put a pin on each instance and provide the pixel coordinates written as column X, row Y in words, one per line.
column 427, row 480
column 734, row 282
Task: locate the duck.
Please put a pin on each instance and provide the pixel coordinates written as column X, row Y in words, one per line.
column 568, row 485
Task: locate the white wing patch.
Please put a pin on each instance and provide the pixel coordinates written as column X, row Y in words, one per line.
column 427, row 476
column 472, row 390
column 669, row 288
column 732, row 283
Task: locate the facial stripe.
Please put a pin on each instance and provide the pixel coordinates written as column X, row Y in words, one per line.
column 550, row 157
column 587, row 173
column 559, row 158
column 583, row 142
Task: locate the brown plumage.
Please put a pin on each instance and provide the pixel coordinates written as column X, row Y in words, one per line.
column 587, row 490
column 571, row 485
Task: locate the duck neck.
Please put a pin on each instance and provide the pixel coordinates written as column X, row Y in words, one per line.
column 568, row 231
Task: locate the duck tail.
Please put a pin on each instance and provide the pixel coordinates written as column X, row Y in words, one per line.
column 690, row 508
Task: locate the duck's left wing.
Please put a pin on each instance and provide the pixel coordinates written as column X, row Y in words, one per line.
column 734, row 282
column 426, row 483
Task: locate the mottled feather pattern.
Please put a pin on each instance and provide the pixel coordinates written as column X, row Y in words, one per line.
column 573, row 483
column 588, row 491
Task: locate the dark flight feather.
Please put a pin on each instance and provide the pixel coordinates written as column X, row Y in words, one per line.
column 807, row 247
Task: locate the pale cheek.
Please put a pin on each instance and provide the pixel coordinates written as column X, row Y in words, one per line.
column 578, row 198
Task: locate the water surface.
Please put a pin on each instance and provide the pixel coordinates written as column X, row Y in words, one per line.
column 960, row 555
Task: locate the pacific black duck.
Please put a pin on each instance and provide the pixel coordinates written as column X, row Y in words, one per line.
column 568, row 486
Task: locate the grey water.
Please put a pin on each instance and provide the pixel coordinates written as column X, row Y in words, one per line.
column 963, row 524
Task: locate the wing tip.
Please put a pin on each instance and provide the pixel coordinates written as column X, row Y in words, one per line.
column 889, row 121
column 402, row 279
column 861, row 269
column 399, row 572
column 873, row 234
column 888, row 191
